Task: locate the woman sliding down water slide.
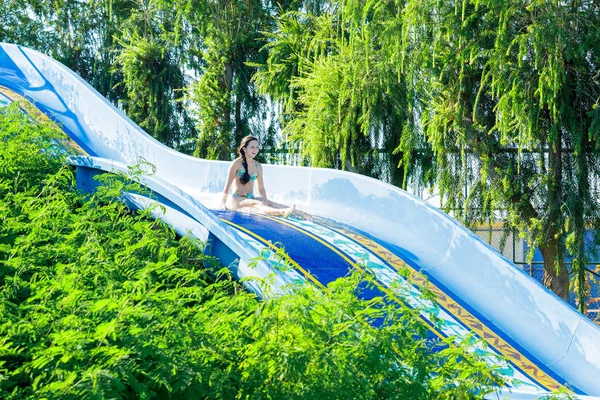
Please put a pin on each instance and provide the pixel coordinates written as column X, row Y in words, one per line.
column 243, row 171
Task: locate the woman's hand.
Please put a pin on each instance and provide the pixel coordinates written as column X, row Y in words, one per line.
column 224, row 201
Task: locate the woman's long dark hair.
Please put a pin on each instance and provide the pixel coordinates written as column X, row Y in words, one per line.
column 245, row 178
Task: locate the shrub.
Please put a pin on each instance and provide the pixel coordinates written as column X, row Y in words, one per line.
column 100, row 302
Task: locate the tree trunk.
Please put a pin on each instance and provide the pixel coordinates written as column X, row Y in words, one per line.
column 225, row 128
column 396, row 171
column 238, row 128
column 557, row 282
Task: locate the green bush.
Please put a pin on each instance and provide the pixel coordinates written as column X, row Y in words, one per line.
column 99, row 302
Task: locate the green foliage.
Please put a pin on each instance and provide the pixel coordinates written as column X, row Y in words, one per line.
column 145, row 56
column 95, row 300
column 18, row 136
column 154, row 85
column 150, row 60
column 309, row 344
column 100, row 302
column 507, row 94
column 337, row 78
column 226, row 100
column 128, row 50
column 493, row 104
column 12, row 21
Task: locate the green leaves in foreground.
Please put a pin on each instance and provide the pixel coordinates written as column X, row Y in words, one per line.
column 99, row 302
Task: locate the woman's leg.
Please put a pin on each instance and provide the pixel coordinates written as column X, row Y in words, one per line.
column 296, row 213
column 280, row 212
column 235, row 202
column 302, row 215
column 261, row 206
column 270, row 203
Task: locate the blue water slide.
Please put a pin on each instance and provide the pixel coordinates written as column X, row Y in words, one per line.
column 538, row 342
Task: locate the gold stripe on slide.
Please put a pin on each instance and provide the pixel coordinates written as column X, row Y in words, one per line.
column 491, row 337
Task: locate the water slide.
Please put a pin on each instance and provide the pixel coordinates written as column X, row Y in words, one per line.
column 538, row 342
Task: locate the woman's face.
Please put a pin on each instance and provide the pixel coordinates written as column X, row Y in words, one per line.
column 252, row 149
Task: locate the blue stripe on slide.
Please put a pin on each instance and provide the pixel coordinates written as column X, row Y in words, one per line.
column 323, row 263
column 318, row 260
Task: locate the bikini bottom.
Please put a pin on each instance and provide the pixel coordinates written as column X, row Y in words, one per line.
column 246, row 195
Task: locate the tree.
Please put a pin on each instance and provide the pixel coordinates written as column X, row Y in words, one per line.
column 507, row 92
column 226, row 104
column 14, row 19
column 336, row 77
column 129, row 51
column 151, row 61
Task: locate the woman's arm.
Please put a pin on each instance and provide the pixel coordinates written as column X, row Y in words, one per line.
column 261, row 186
column 230, row 178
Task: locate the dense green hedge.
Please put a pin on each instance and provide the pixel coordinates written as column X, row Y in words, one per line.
column 99, row 302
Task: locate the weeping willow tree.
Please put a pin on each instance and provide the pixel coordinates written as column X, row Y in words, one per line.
column 336, row 78
column 507, row 92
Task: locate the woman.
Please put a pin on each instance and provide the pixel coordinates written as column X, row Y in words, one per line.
column 243, row 171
